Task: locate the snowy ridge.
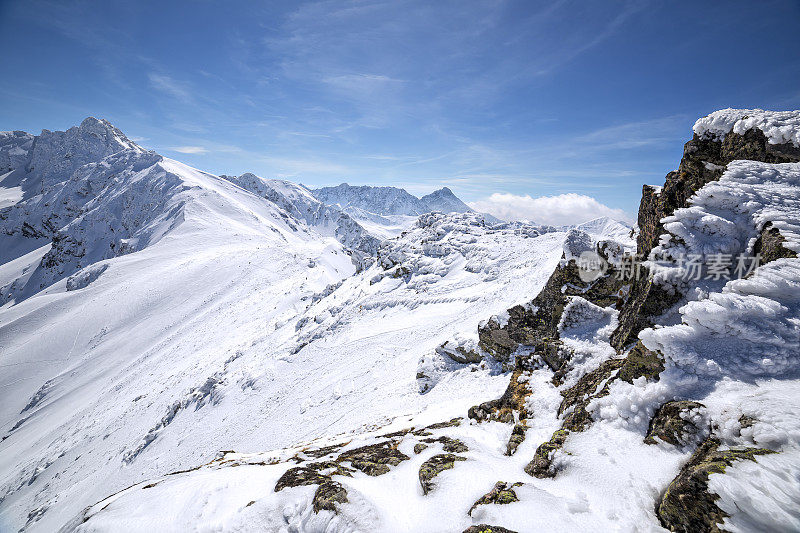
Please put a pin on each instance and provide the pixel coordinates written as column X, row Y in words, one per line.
column 779, row 126
column 298, row 202
column 237, row 321
column 390, row 200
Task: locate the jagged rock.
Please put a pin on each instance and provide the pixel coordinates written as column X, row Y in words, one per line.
column 459, row 353
column 419, row 447
column 328, row 494
column 318, row 453
column 746, row 421
column 374, row 459
column 577, row 418
column 769, row 245
column 503, row 409
column 517, row 437
column 310, row 474
column 539, row 466
column 433, row 466
column 485, row 528
column 579, row 395
column 448, row 444
column 703, row 161
column 453, row 422
column 673, row 423
column 687, row 504
column 501, row 494
column 641, row 362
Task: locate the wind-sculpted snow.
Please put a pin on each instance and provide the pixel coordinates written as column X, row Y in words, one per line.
column 762, row 311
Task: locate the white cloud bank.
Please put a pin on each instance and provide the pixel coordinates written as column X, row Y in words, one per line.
column 570, row 208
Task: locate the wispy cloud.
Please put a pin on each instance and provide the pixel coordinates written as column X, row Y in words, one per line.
column 169, row 86
column 189, row 149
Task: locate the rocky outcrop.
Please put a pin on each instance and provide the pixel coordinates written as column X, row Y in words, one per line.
column 704, row 160
column 449, row 445
column 769, row 245
column 328, row 494
column 688, row 505
column 433, row 467
column 374, row 459
column 510, row 405
column 517, row 437
column 485, row 528
column 501, row 494
column 675, row 423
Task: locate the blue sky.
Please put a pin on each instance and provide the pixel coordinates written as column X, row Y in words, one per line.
column 515, row 99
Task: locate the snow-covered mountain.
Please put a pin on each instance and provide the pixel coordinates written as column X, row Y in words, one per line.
column 386, row 211
column 390, row 200
column 236, row 354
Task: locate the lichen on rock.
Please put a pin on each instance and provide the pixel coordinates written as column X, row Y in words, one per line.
column 675, row 423
column 433, row 467
column 687, row 505
column 501, row 494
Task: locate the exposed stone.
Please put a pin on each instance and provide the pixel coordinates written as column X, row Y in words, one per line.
column 419, row 447
column 374, row 459
column 687, row 504
column 318, row 453
column 540, row 465
column 433, row 466
column 673, row 425
column 501, row 494
column 485, row 528
column 769, row 245
column 703, row 161
column 458, row 353
column 579, row 395
column 453, row 422
column 641, row 362
column 328, row 494
column 503, row 409
column 448, row 444
column 310, row 474
column 516, row 438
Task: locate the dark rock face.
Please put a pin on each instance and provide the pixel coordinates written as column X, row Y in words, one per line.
column 485, row 528
column 687, row 504
column 328, row 494
column 433, row 467
column 703, row 161
column 672, row 423
column 517, row 438
column 769, row 245
column 501, row 494
column 641, row 362
column 536, row 324
column 375, row 459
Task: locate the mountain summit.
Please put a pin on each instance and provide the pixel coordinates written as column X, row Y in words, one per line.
column 390, row 200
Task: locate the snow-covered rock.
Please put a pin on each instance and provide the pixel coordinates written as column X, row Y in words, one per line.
column 778, row 126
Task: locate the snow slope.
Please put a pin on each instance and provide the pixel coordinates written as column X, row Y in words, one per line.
column 733, row 347
column 228, row 314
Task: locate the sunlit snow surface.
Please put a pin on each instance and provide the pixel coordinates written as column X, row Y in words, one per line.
column 608, row 479
column 227, row 329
